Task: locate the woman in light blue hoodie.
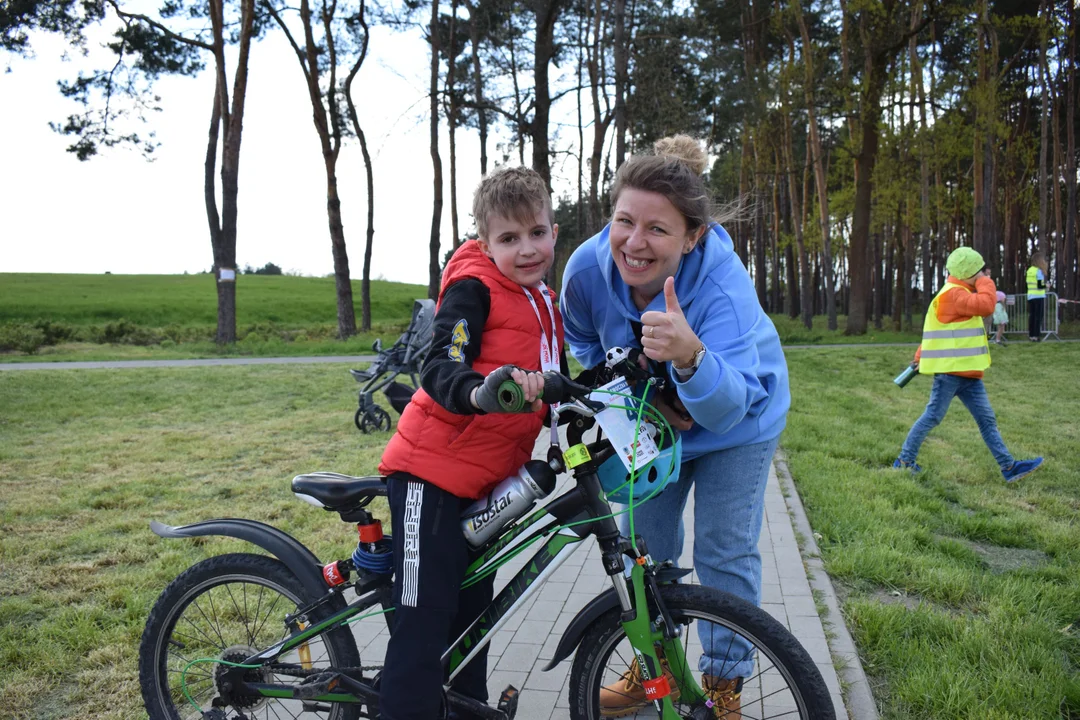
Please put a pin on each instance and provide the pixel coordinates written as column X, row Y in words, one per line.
column 663, row 275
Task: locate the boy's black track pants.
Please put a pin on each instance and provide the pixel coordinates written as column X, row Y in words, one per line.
column 432, row 610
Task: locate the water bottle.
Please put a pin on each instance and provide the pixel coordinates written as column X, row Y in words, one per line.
column 905, row 377
column 510, row 499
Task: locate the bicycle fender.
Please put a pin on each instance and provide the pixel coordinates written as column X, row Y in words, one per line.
column 302, row 562
column 596, row 607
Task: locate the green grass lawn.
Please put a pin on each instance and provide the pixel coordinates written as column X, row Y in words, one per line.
column 161, row 317
column 190, row 300
column 962, row 592
column 125, row 317
column 89, row 457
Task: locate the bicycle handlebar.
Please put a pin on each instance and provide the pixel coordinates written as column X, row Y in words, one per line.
column 560, row 389
column 557, row 389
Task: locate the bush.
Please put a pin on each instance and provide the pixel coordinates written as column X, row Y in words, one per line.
column 178, row 334
column 54, row 332
column 267, row 269
column 142, row 336
column 21, row 337
column 257, row 331
column 122, row 332
column 115, row 332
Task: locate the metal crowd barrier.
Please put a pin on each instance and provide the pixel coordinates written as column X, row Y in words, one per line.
column 1017, row 308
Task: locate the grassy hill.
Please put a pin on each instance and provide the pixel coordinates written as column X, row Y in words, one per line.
column 119, row 317
column 105, row 317
column 157, row 301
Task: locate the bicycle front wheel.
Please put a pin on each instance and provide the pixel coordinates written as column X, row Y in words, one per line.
column 784, row 682
column 229, row 608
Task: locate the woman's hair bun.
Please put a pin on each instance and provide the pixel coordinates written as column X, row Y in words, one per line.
column 685, row 149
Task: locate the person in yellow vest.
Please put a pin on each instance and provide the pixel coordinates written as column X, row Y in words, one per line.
column 955, row 351
column 1036, row 295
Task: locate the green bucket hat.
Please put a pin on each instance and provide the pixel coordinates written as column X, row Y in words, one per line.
column 964, row 262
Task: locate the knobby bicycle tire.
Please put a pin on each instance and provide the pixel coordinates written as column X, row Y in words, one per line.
column 228, row 607
column 786, row 682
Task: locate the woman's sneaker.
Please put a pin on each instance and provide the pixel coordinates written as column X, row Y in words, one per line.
column 1021, row 468
column 914, row 467
column 725, row 696
column 626, row 695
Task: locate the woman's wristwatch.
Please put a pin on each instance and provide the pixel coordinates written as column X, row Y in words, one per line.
column 685, row 371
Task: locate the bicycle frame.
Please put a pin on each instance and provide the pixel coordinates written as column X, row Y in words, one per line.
column 580, row 512
column 575, row 505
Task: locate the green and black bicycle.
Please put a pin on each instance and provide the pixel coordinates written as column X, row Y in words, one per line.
column 242, row 636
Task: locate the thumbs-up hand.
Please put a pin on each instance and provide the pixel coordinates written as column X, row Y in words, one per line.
column 666, row 336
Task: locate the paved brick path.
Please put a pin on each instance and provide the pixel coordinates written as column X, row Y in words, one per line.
column 519, row 652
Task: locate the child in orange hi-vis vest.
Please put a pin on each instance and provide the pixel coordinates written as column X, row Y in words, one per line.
column 955, row 351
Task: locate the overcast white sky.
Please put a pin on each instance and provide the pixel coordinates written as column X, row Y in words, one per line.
column 118, row 213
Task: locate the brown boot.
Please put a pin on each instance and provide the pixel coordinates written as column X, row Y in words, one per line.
column 726, row 696
column 627, row 695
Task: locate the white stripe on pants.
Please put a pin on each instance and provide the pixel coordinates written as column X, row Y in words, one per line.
column 410, row 581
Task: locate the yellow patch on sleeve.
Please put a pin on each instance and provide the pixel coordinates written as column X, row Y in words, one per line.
column 459, row 338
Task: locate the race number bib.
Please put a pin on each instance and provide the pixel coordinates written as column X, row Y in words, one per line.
column 619, row 425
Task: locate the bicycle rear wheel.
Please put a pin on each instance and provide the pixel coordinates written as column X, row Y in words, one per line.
column 228, row 608
column 785, row 682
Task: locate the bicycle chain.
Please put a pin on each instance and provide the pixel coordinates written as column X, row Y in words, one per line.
column 297, row 671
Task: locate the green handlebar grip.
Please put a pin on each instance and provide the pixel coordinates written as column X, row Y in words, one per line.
column 512, row 397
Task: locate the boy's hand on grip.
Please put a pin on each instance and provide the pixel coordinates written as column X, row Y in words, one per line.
column 486, row 396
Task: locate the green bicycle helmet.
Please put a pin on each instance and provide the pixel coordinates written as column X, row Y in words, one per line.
column 651, row 478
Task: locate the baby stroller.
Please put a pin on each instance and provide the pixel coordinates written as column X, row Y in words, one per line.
column 406, row 356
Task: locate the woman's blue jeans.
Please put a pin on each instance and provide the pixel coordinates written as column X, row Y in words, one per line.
column 729, row 505
column 972, row 393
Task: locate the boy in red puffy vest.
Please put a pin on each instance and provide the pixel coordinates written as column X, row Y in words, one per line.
column 494, row 310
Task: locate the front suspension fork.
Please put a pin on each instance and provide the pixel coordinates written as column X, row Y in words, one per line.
column 657, row 642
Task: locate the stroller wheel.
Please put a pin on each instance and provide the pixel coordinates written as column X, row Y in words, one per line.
column 374, row 420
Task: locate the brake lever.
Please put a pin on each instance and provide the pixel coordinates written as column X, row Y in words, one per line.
column 578, row 406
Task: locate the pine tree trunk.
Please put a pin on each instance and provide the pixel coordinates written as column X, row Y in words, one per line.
column 226, row 291
column 742, row 234
column 1071, row 270
column 858, row 267
column 478, row 84
column 327, row 125
column 877, row 294
column 759, row 256
column 925, row 149
column 547, row 12
column 796, row 221
column 434, row 266
column 1044, row 139
column 231, row 119
column 899, row 264
column 369, row 241
column 600, row 120
column 622, row 53
column 1058, row 171
column 818, row 161
column 451, row 124
column 984, row 240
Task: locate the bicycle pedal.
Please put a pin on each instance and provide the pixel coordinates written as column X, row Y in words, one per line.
column 316, row 685
column 214, row 714
column 508, row 701
column 702, row 712
column 463, row 706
